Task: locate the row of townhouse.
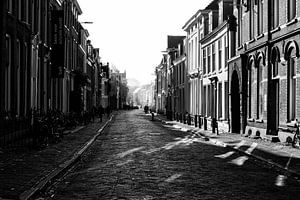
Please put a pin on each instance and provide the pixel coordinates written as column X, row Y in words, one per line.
column 47, row 61
column 241, row 68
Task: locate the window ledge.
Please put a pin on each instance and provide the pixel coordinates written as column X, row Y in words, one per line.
column 240, row 47
column 275, row 30
column 250, row 120
column 251, row 41
column 260, row 36
column 292, row 123
column 276, row 77
column 259, row 121
column 293, row 21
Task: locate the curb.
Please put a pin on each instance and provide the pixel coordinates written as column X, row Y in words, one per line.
column 62, row 168
column 272, row 164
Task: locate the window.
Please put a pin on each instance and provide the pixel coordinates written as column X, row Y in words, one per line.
column 27, row 11
column 275, row 69
column 9, row 6
column 33, row 16
column 251, row 20
column 196, row 53
column 259, row 17
column 7, row 74
column 208, row 59
column 20, row 9
column 226, row 100
column 18, row 76
column 240, row 25
column 204, row 61
column 291, row 89
column 260, row 96
column 226, row 49
column 220, row 101
column 208, row 100
column 204, row 101
column 274, row 13
column 45, row 13
column 253, row 91
column 192, row 55
column 291, row 9
column 220, row 53
column 250, row 81
column 25, row 78
column 213, row 58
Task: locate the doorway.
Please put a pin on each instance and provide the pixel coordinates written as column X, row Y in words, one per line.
column 235, row 103
column 274, row 106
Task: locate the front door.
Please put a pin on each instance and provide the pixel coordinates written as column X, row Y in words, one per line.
column 235, row 104
column 274, row 106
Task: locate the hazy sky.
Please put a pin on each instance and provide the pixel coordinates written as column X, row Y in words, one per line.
column 132, row 33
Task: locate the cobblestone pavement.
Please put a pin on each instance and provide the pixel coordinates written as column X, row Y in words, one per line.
column 138, row 159
column 23, row 168
column 278, row 153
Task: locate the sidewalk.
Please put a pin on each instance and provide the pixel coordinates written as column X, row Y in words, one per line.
column 21, row 170
column 275, row 155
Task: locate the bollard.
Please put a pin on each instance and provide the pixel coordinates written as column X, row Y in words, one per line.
column 205, row 123
column 200, row 122
column 214, row 125
column 189, row 119
column 196, row 120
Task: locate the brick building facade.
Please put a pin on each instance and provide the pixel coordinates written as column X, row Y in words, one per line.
column 266, row 68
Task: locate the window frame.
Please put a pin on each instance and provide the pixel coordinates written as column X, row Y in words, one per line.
column 291, row 89
column 204, row 61
column 213, row 57
column 220, row 53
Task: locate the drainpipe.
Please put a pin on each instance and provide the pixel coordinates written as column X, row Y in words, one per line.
column 269, row 67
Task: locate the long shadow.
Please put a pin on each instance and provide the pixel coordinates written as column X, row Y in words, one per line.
column 173, row 165
column 288, row 162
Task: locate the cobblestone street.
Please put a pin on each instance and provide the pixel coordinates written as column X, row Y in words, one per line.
column 135, row 158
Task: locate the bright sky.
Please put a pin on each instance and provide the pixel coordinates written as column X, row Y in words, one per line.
column 132, row 33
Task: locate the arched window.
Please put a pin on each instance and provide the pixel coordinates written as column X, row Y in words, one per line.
column 253, row 90
column 275, row 58
column 250, row 82
column 260, row 95
column 291, row 56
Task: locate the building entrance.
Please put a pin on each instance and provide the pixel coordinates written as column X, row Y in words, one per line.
column 235, row 104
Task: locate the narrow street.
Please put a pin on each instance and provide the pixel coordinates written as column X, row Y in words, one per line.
column 136, row 158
